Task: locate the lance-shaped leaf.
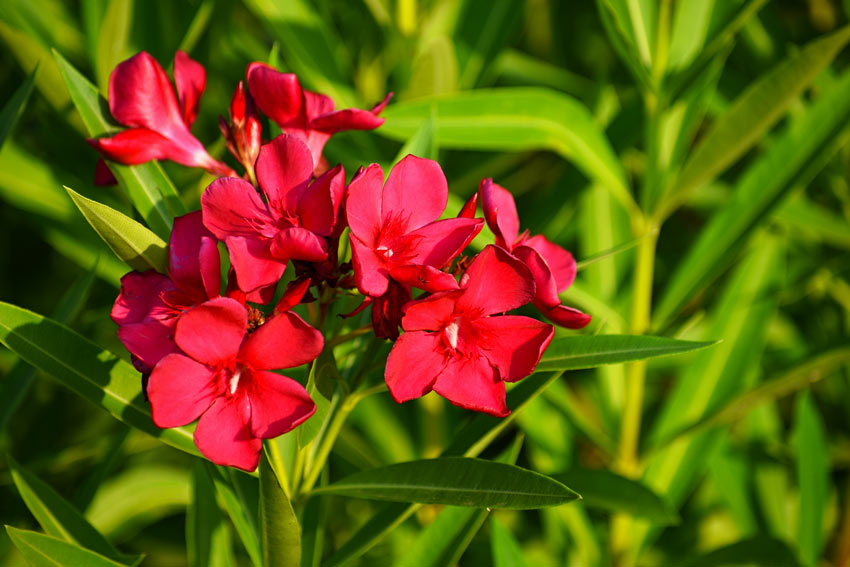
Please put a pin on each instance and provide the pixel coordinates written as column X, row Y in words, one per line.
column 280, row 529
column 515, row 119
column 14, row 107
column 47, row 551
column 455, row 481
column 137, row 246
column 95, row 374
column 574, row 353
column 239, row 505
column 208, row 542
column 758, row 550
column 58, row 517
column 813, row 476
column 149, row 188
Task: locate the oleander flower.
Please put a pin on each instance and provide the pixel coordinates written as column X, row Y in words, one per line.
column 456, row 345
column 224, row 378
column 141, row 97
column 553, row 268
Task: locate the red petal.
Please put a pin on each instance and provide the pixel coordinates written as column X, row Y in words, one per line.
column 495, row 282
column 293, row 294
column 316, row 104
column 513, row 344
column 564, row 316
column 232, row 207
column 140, row 145
column 284, row 168
column 415, row 194
column 413, row 365
column 468, row 209
column 349, row 119
column 472, row 383
column 103, row 176
column 180, row 390
column 546, row 289
column 430, row 314
column 298, row 243
column 190, row 79
column 379, row 108
column 500, row 211
column 423, row 277
column 441, row 241
column 193, row 259
column 284, row 341
column 319, row 204
column 253, row 262
column 370, row 275
column 141, row 294
column 140, row 95
column 363, row 203
column 561, row 262
column 224, row 434
column 150, row 340
column 278, row 404
column 213, row 331
column 277, row 95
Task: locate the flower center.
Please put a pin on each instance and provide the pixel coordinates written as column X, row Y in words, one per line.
column 234, row 380
column 451, row 334
column 386, row 253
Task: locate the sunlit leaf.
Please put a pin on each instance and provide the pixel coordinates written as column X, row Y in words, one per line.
column 813, row 477
column 280, row 529
column 47, row 551
column 112, row 39
column 208, row 541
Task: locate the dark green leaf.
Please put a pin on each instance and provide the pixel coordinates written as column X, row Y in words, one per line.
column 759, row 550
column 207, row 535
column 112, row 39
column 46, row 551
column 240, row 506
column 14, row 107
column 446, row 538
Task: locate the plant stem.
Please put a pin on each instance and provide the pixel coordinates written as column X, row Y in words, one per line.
column 341, row 410
column 349, row 336
column 276, row 461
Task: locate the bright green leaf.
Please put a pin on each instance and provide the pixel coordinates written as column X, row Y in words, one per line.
column 423, row 143
column 207, row 535
column 47, row 551
column 504, row 546
column 813, row 476
column 280, row 529
column 112, row 39
column 241, row 508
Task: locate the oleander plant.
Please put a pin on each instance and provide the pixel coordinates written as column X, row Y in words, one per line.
column 425, row 283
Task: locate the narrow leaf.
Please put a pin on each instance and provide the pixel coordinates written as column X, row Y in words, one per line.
column 759, row 550
column 112, row 39
column 14, row 107
column 504, row 546
column 242, row 511
column 423, row 143
column 281, row 533
column 457, row 482
column 574, row 353
column 207, row 536
column 93, row 373
column 813, row 478
column 47, row 551
column 446, row 538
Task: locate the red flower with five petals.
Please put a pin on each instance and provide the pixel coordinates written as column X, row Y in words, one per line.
column 293, row 223
column 308, row 115
column 141, row 97
column 455, row 346
column 224, row 379
column 554, row 268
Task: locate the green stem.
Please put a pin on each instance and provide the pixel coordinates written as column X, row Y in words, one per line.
column 340, row 410
column 349, row 336
column 276, row 461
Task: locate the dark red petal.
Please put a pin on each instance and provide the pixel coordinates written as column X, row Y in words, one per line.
column 232, row 207
column 284, row 168
column 277, row 95
column 298, row 243
column 564, row 316
column 370, row 275
column 414, row 363
column 363, row 203
column 438, row 243
column 180, row 390
column 210, row 264
column 224, row 434
column 495, row 282
column 513, row 344
column 193, row 266
column 284, row 341
column 561, row 262
column 471, row 383
column 415, row 194
column 262, row 295
column 253, row 262
column 190, row 79
column 213, row 331
column 423, row 277
column 141, row 297
column 149, row 340
column 349, row 119
column 500, row 211
column 295, row 291
column 379, row 108
column 430, row 314
column 140, row 95
column 316, row 104
column 140, row 145
column 278, row 404
column 546, row 290
column 468, row 209
column 103, row 176
column 319, row 204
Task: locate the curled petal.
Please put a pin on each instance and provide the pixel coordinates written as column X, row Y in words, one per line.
column 560, row 261
column 438, row 243
column 293, row 295
column 213, row 331
column 191, row 80
column 500, row 212
column 316, row 104
column 423, row 277
column 564, row 316
column 415, row 194
column 140, row 95
column 224, row 434
column 370, row 275
column 379, row 108
column 468, row 209
column 298, row 243
column 277, row 95
column 348, row 119
column 471, row 383
column 278, row 404
column 414, row 363
column 495, row 282
column 284, row 169
column 284, row 341
column 363, row 203
column 546, row 290
column 193, row 259
column 513, row 344
column 180, row 390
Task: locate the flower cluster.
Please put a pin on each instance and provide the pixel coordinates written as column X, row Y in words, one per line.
column 209, row 348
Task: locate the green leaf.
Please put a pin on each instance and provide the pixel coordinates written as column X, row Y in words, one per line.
column 813, row 476
column 759, row 550
column 791, row 160
column 514, row 119
column 605, row 490
column 150, row 190
column 323, row 370
column 112, row 40
column 504, row 546
column 14, row 107
column 574, row 353
column 207, row 536
column 93, row 373
column 138, row 247
column 483, row 28
column 47, row 551
column 423, row 143
column 455, row 481
column 446, row 538
column 386, row 520
column 241, row 509
column 58, row 517
column 281, row 533
column 755, row 111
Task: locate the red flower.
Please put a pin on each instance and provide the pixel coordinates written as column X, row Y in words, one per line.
column 141, row 97
column 454, row 346
column 242, row 131
column 395, row 232
column 554, row 268
column 150, row 303
column 308, row 115
column 224, row 379
column 292, row 224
